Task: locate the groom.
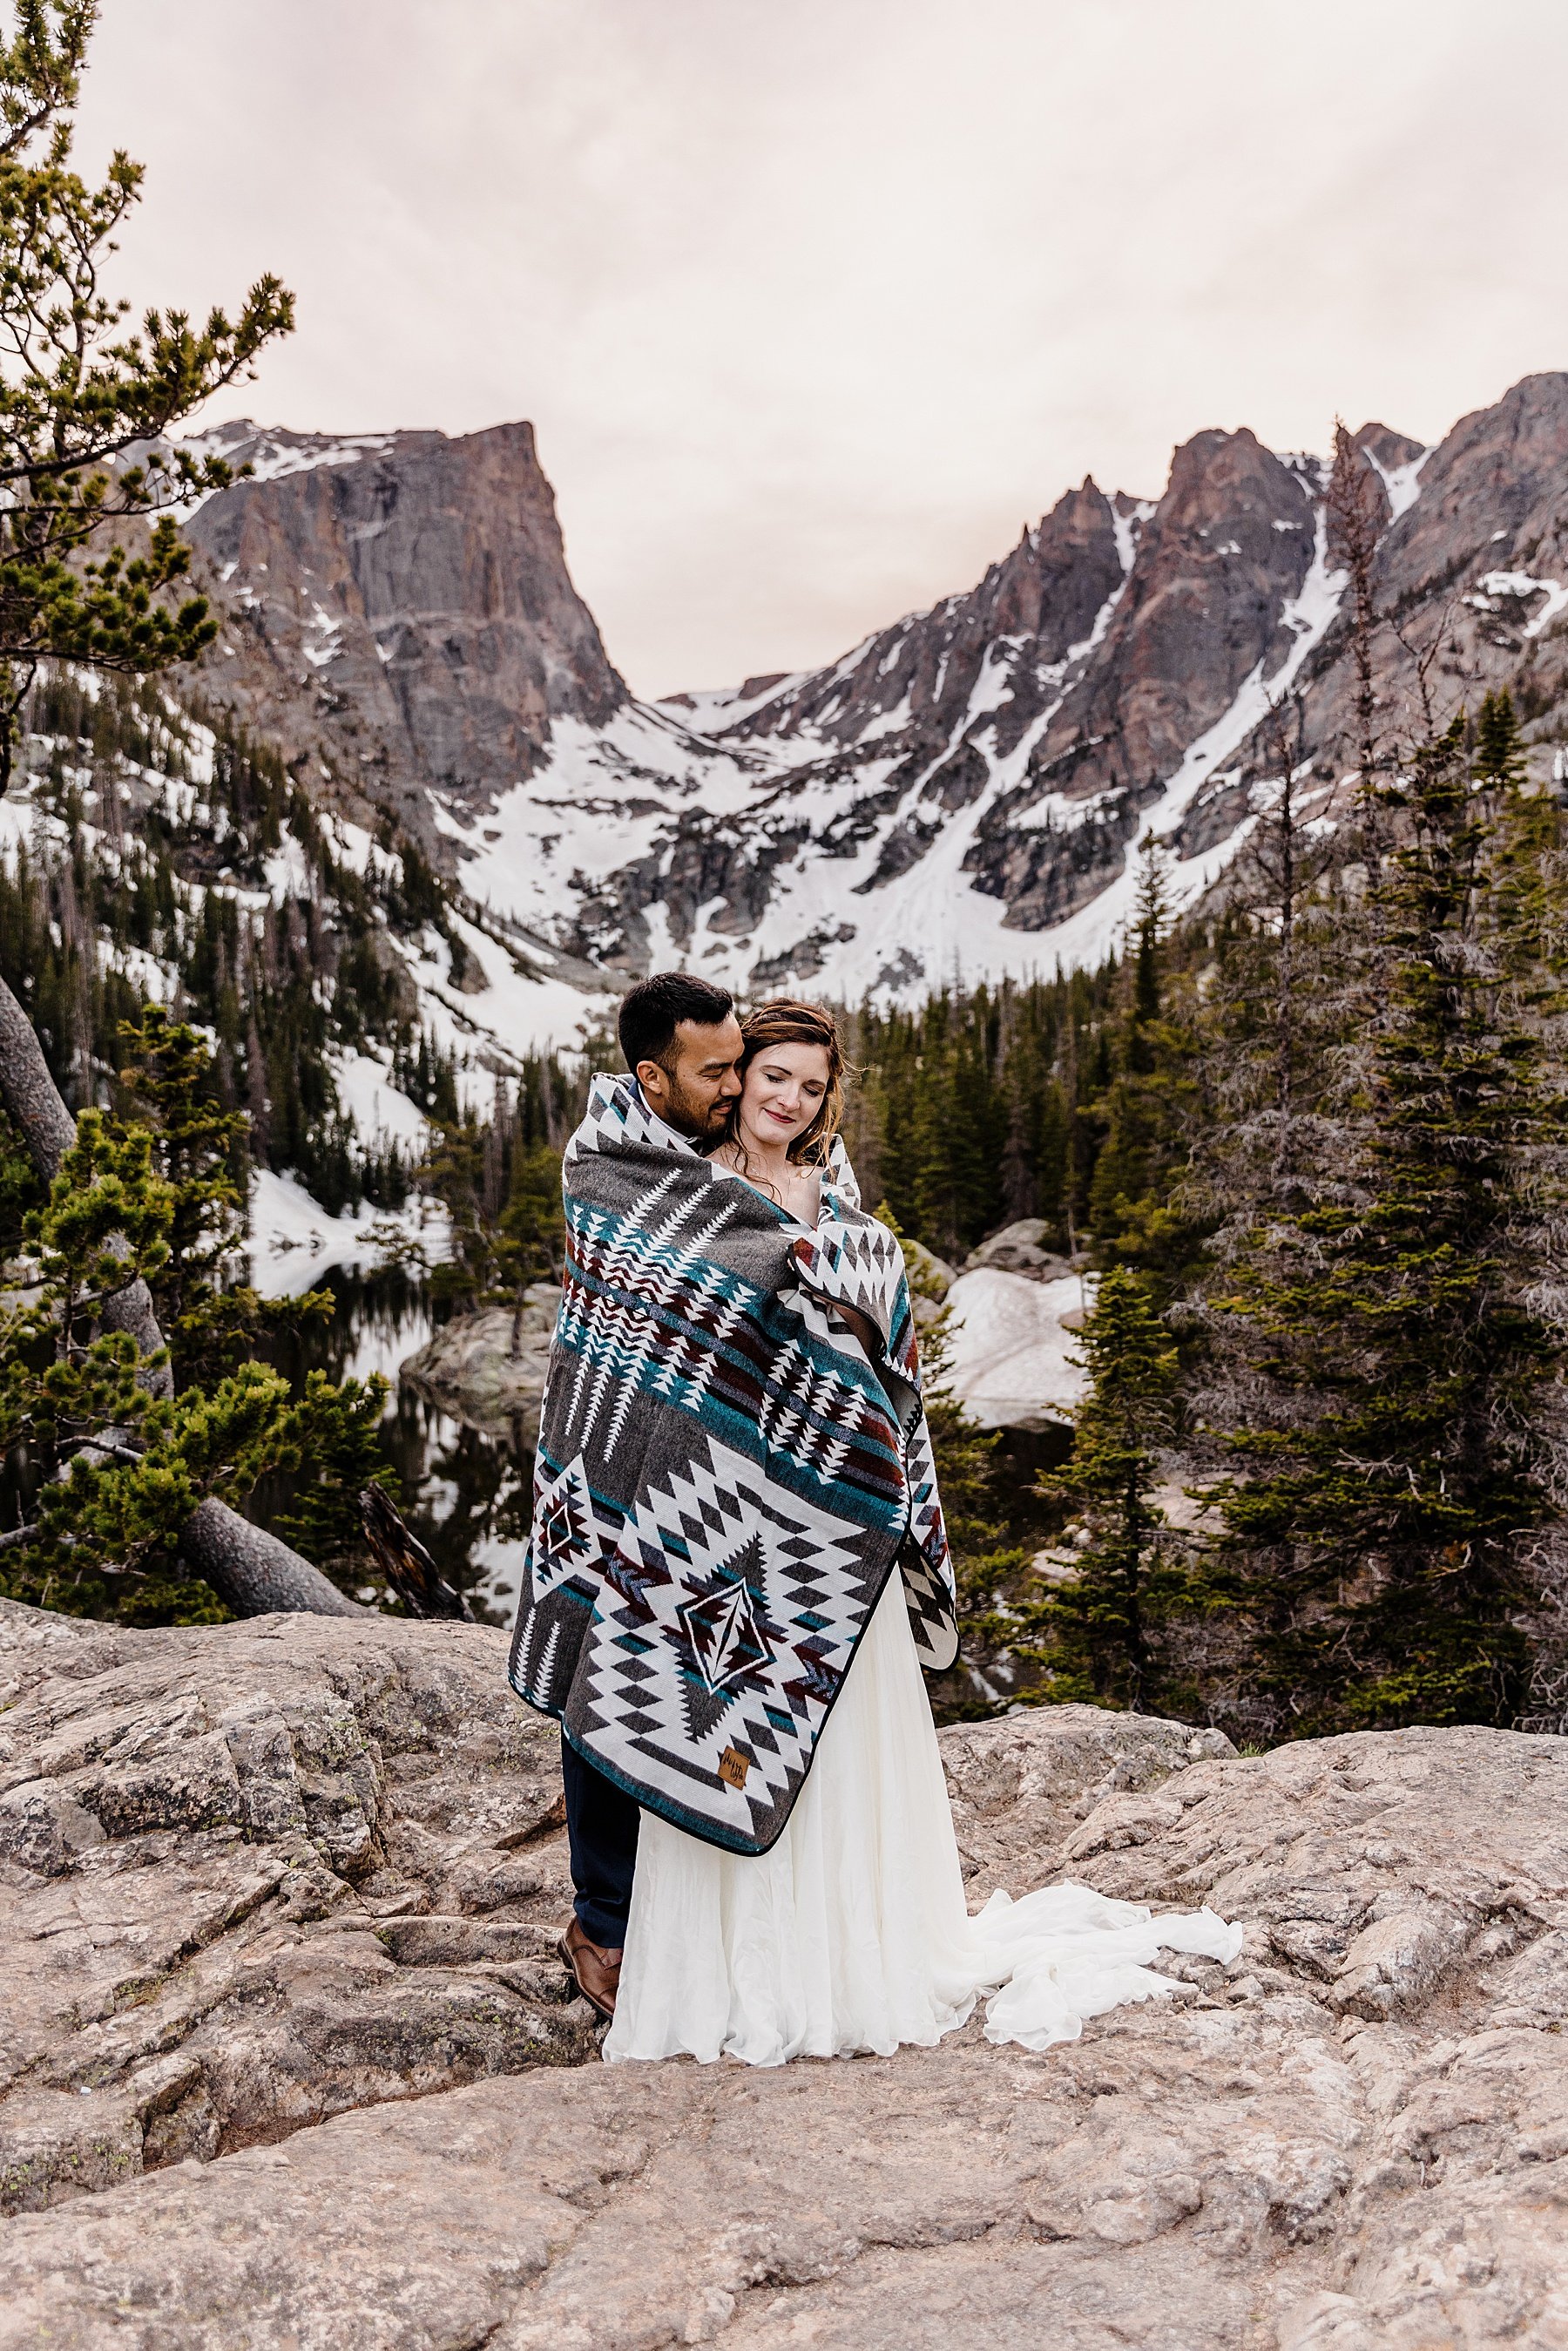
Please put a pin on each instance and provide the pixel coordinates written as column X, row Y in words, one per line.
column 682, row 1042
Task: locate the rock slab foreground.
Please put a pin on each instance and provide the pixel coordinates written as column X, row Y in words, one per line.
column 285, row 2058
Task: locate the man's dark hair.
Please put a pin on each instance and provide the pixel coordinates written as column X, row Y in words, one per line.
column 650, row 1012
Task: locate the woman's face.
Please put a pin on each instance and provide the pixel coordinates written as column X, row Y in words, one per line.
column 783, row 1088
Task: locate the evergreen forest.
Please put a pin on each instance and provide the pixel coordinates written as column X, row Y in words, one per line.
column 1305, row 1139
column 1309, row 1140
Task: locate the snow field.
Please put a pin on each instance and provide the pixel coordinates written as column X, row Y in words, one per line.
column 1011, row 1362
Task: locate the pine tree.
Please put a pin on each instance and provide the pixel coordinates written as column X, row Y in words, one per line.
column 531, row 1242
column 969, row 1483
column 71, row 1396
column 1288, row 978
column 108, row 1467
column 1531, row 903
column 213, row 1322
column 1393, row 1463
column 1352, row 529
column 199, row 1152
column 1145, row 1109
column 81, row 393
column 453, row 1170
column 1498, row 750
column 1098, row 1629
column 346, row 1455
column 113, row 1470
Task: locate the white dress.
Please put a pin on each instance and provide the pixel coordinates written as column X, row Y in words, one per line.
column 853, row 1934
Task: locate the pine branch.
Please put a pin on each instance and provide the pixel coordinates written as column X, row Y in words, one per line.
column 249, row 1569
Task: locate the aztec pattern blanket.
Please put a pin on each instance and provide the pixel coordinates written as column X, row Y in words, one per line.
column 724, row 1479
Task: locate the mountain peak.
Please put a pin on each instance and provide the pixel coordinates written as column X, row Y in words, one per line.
column 961, row 790
column 399, row 609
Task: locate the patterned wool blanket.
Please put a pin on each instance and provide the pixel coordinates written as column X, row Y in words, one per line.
column 724, row 1479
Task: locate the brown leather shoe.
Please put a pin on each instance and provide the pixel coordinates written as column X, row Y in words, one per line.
column 595, row 1971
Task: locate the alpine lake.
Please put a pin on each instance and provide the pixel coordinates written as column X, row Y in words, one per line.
column 466, row 1495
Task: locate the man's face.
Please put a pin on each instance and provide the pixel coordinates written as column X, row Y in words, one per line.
column 694, row 1097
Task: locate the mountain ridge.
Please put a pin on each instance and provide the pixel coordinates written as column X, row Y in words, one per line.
column 961, row 793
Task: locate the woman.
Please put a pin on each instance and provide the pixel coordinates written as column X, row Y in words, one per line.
column 782, row 1129
column 851, row 1933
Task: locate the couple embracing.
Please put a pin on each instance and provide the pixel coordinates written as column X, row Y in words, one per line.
column 738, row 1568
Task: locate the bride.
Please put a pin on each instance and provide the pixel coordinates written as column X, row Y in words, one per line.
column 852, row 1932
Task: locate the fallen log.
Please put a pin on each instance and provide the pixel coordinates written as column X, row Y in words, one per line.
column 250, row 1571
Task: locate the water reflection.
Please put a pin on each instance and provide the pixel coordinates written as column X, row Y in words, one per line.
column 466, row 1496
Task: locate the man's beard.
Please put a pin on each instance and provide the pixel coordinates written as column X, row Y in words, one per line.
column 704, row 1123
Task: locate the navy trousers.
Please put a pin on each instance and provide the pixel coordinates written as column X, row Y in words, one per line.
column 601, row 1830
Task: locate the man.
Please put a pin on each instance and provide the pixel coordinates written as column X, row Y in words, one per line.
column 682, row 1042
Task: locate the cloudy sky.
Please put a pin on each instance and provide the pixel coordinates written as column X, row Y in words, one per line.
column 813, row 302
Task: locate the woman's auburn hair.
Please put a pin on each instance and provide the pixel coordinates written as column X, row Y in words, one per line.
column 787, row 1021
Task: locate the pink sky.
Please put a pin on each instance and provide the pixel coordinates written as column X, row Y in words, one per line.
column 813, row 302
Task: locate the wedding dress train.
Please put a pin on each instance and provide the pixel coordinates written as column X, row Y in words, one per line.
column 851, row 1933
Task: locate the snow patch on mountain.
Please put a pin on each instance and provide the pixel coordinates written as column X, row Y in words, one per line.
column 637, row 801
column 492, row 1022
column 380, row 1113
column 1496, row 588
column 711, row 710
column 1402, row 483
column 1127, row 516
column 271, row 453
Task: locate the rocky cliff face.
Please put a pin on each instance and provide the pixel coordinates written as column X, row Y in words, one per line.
column 915, row 676
column 961, row 793
column 1469, row 580
column 400, row 605
column 286, row 2057
column 1472, row 568
column 1212, row 599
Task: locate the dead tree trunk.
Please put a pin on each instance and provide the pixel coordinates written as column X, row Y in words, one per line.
column 405, row 1562
column 250, row 1571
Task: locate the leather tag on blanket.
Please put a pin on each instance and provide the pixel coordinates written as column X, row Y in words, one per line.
column 734, row 1767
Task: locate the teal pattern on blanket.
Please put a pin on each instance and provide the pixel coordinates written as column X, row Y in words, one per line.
column 725, row 1477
